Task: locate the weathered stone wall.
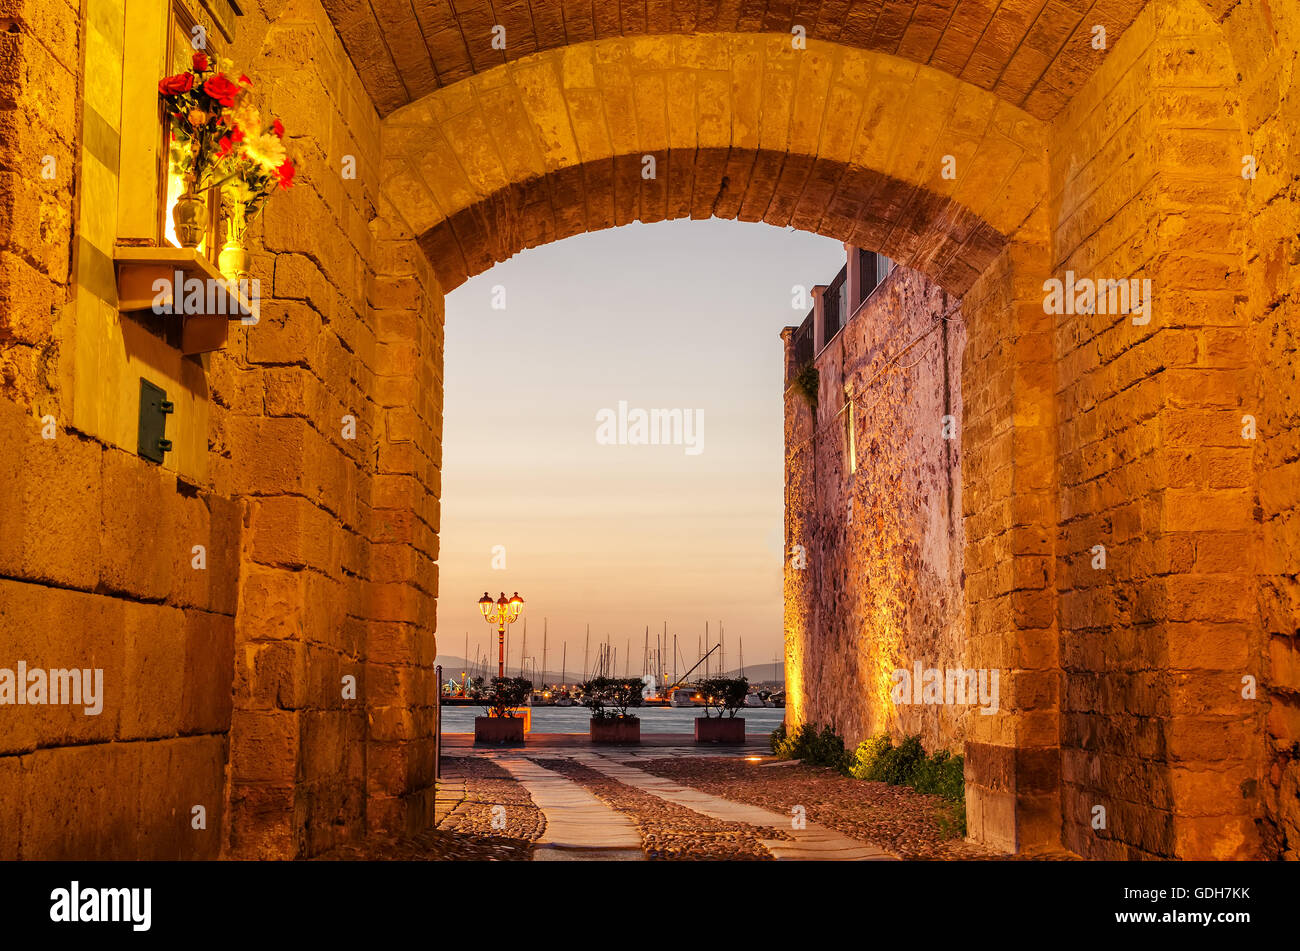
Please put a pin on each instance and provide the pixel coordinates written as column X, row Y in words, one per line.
column 1121, row 687
column 325, row 434
column 96, row 547
column 1147, row 184
column 40, row 64
column 882, row 587
column 1265, row 45
column 320, row 545
column 1161, row 684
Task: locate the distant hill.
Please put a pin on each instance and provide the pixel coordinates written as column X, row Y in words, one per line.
column 760, row 673
column 452, row 665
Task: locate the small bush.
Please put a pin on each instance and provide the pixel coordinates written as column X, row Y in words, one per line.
column 776, row 738
column 807, row 381
column 939, row 774
column 869, row 759
column 502, row 695
column 724, row 694
column 952, row 820
column 824, row 748
column 609, row 698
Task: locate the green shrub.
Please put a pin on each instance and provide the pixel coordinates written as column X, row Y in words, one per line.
column 776, row 738
column 816, row 748
column 724, row 694
column 609, row 698
column 903, row 761
column 502, row 695
column 939, row 774
column 952, row 820
column 807, row 381
column 868, row 761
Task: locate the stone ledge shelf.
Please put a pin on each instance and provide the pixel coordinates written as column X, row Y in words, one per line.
column 204, row 328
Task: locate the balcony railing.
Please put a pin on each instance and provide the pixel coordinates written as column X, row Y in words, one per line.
column 835, row 305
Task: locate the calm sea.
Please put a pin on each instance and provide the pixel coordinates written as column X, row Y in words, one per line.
column 759, row 721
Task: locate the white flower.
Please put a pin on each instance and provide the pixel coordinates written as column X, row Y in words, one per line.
column 265, row 149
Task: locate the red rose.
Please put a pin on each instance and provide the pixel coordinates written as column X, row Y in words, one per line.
column 175, row 85
column 245, row 81
column 221, row 89
column 278, row 128
column 286, row 173
column 201, row 62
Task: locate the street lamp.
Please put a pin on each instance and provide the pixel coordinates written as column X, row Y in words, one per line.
column 501, row 612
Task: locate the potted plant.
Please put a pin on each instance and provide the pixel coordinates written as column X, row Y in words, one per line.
column 726, row 695
column 500, row 699
column 609, row 699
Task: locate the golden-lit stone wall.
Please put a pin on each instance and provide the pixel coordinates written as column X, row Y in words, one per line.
column 1155, row 642
column 880, row 587
column 98, row 549
column 1264, row 39
column 225, row 686
column 326, row 431
column 1008, row 503
column 40, row 126
column 313, row 490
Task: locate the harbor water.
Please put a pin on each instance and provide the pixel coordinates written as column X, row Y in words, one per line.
column 759, row 721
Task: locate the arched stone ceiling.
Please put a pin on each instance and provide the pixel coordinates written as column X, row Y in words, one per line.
column 1032, row 53
column 833, row 140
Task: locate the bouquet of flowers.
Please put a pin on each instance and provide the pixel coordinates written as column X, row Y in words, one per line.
column 258, row 166
column 218, row 139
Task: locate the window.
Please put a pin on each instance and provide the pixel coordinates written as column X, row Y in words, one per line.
column 883, row 268
column 873, row 268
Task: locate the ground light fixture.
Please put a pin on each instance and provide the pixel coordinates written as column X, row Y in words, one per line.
column 501, row 612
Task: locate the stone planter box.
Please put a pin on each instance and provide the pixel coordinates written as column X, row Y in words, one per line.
column 616, row 731
column 719, row 729
column 498, row 730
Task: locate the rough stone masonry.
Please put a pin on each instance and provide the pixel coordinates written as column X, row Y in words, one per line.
column 1164, row 688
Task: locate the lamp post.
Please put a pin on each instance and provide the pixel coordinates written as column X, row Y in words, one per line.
column 501, row 612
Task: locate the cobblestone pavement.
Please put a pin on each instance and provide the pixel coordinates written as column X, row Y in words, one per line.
column 466, row 831
column 669, row 831
column 895, row 818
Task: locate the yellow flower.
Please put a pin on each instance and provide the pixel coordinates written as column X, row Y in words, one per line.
column 266, row 150
column 246, row 116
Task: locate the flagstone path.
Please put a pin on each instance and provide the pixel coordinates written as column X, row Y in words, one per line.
column 578, row 825
column 813, row 841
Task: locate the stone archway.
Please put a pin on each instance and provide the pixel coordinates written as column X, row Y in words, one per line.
column 835, row 140
column 1124, row 688
column 603, row 133
column 553, row 143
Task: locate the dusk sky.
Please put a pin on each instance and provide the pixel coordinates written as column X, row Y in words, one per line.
column 622, row 536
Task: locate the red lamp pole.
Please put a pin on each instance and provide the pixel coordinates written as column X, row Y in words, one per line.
column 501, row 647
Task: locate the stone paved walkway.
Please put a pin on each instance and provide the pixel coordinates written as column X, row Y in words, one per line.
column 811, row 842
column 578, row 825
